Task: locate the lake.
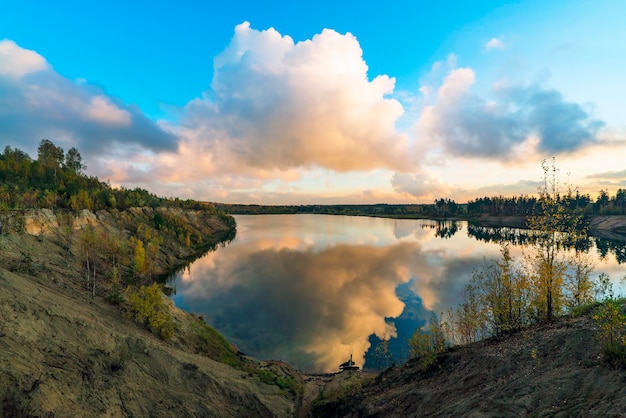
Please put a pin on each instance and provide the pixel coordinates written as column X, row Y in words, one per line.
column 313, row 289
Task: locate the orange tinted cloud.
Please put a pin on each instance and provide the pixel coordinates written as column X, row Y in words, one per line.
column 276, row 104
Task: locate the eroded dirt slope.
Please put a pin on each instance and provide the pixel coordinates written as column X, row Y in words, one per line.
column 553, row 370
column 64, row 353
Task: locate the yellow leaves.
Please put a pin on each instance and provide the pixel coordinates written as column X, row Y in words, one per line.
column 140, row 258
column 496, row 300
column 147, row 307
column 556, row 227
column 145, row 256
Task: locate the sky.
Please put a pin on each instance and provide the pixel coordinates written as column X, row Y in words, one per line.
column 321, row 102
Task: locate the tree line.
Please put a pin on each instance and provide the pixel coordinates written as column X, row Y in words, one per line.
column 574, row 201
column 518, row 206
column 447, row 209
column 56, row 180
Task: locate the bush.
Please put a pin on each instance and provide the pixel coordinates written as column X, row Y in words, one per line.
column 611, row 320
column 428, row 342
column 147, row 307
column 270, row 378
column 115, row 297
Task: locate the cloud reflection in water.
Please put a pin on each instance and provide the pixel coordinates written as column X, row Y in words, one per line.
column 310, row 297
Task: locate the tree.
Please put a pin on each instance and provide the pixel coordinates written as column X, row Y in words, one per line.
column 620, row 200
column 496, row 300
column 504, row 291
column 578, row 285
column 554, row 228
column 152, row 253
column 48, row 154
column 470, row 315
column 50, row 157
column 428, row 342
column 603, row 201
column 50, row 199
column 89, row 248
column 611, row 320
column 139, row 261
column 74, row 161
column 382, row 355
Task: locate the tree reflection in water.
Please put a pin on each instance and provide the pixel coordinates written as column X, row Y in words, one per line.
column 525, row 237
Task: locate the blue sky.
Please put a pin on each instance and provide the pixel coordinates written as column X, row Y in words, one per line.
column 324, row 102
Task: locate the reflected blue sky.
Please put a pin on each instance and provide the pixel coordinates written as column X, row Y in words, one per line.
column 313, row 289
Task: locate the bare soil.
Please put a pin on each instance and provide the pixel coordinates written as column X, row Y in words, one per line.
column 553, row 370
column 611, row 227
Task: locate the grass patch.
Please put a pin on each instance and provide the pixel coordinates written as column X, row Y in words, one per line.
column 206, row 340
column 268, row 377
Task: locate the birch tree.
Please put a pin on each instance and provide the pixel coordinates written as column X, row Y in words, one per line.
column 554, row 228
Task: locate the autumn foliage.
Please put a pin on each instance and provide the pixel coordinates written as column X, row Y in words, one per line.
column 506, row 295
column 148, row 308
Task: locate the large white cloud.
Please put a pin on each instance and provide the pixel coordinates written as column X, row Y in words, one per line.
column 36, row 102
column 276, row 105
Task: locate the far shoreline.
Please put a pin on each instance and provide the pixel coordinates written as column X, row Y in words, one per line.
column 603, row 226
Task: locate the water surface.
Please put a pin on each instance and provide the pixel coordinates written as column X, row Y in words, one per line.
column 313, row 289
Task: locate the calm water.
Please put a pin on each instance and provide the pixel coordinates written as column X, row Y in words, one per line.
column 312, row 289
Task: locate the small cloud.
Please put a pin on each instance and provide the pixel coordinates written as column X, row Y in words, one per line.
column 419, row 185
column 494, row 43
column 613, row 175
column 426, row 91
column 522, row 187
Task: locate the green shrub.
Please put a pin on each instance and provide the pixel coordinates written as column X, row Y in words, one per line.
column 428, row 342
column 270, row 378
column 611, row 320
column 115, row 297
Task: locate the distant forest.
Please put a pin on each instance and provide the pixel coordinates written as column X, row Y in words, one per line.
column 522, row 206
column 56, row 180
